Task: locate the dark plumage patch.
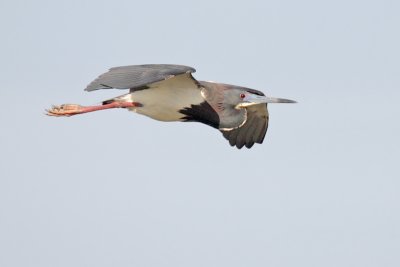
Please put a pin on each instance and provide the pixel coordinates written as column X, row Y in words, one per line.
column 140, row 88
column 105, row 86
column 255, row 92
column 105, row 102
column 203, row 113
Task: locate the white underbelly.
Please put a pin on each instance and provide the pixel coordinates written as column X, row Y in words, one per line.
column 162, row 101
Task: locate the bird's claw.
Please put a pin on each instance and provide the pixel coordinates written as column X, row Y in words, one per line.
column 64, row 110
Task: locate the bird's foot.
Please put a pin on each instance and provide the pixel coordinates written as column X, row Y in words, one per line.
column 65, row 110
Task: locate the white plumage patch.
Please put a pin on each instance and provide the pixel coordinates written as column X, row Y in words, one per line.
column 163, row 100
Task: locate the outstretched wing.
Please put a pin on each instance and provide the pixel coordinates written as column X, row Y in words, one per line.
column 131, row 77
column 254, row 129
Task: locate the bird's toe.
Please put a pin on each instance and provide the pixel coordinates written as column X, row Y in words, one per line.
column 63, row 110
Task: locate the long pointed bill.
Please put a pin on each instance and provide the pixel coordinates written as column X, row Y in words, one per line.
column 267, row 99
column 253, row 99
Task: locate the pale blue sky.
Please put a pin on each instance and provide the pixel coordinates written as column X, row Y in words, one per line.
column 114, row 188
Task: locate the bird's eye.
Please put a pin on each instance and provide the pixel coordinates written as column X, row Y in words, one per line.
column 242, row 96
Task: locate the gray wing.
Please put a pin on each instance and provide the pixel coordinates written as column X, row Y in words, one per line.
column 136, row 76
column 254, row 129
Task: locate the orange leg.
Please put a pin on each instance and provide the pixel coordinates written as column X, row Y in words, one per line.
column 67, row 110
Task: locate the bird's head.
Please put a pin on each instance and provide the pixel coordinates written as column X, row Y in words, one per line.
column 241, row 97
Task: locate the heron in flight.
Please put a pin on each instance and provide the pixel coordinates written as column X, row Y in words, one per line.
column 170, row 93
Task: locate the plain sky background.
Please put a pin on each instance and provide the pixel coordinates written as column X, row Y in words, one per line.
column 114, row 188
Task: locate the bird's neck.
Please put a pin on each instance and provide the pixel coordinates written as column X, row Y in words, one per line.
column 229, row 116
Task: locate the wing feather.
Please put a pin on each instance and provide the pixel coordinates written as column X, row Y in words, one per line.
column 136, row 76
column 252, row 131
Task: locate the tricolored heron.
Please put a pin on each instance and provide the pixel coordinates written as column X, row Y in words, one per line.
column 170, row 93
